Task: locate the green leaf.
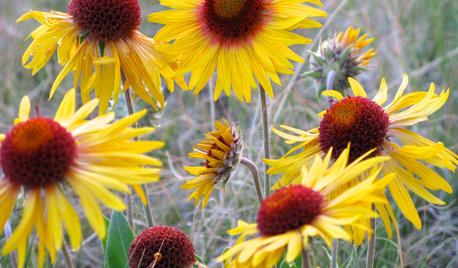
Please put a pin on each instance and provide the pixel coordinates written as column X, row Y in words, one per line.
column 199, row 259
column 318, row 58
column 119, row 238
column 107, row 225
column 316, row 75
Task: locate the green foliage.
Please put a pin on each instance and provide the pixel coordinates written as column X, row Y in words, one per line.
column 119, row 238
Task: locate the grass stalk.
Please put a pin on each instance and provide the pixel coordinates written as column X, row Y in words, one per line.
column 8, row 233
column 67, row 256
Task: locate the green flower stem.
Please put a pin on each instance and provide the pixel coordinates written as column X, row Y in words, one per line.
column 305, row 258
column 211, row 86
column 67, row 256
column 146, row 208
column 330, row 80
column 130, row 210
column 266, row 136
column 254, row 170
column 334, row 253
column 371, row 246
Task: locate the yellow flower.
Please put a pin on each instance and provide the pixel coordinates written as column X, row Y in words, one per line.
column 100, row 43
column 221, row 151
column 366, row 125
column 351, row 39
column 45, row 157
column 237, row 37
column 339, row 58
column 291, row 215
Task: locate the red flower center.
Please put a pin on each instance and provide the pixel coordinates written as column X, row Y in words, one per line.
column 357, row 120
column 287, row 209
column 36, row 153
column 168, row 246
column 106, row 20
column 233, row 22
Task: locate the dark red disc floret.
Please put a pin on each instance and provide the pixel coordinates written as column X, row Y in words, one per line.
column 357, row 120
column 170, row 246
column 37, row 152
column 234, row 21
column 106, row 20
column 287, row 209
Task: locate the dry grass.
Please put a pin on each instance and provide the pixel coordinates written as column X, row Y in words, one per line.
column 419, row 38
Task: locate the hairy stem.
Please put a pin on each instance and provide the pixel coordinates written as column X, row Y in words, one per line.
column 330, row 80
column 371, row 246
column 146, row 208
column 254, row 171
column 305, row 258
column 266, row 136
column 130, row 210
column 334, row 253
column 211, row 87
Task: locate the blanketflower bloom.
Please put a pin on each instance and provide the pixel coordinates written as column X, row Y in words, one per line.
column 161, row 247
column 291, row 215
column 100, row 43
column 367, row 125
column 239, row 38
column 46, row 158
column 339, row 58
column 221, row 151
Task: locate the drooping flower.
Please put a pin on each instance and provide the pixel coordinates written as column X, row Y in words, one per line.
column 45, row 158
column 162, row 245
column 100, row 43
column 366, row 125
column 221, row 151
column 239, row 38
column 291, row 215
column 339, row 58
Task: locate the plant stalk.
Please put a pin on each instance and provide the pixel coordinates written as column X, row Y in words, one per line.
column 130, row 210
column 266, row 136
column 211, row 87
column 371, row 246
column 254, row 171
column 146, row 208
column 334, row 253
column 305, row 258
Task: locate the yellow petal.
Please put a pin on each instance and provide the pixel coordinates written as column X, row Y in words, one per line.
column 358, row 90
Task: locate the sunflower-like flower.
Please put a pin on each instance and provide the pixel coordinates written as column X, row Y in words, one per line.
column 221, row 151
column 339, row 58
column 367, row 125
column 293, row 214
column 100, row 42
column 161, row 247
column 45, row 158
column 239, row 38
